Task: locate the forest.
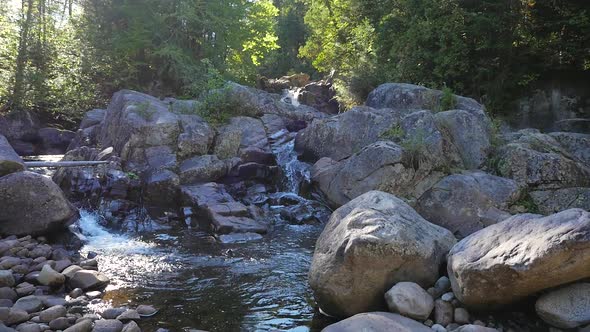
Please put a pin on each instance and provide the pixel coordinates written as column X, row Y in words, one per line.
column 63, row 57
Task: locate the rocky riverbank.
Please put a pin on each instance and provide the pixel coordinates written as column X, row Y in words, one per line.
column 48, row 288
column 446, row 218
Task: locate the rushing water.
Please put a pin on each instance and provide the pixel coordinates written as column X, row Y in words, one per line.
column 197, row 282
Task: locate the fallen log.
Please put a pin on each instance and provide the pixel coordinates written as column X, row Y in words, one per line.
column 64, row 163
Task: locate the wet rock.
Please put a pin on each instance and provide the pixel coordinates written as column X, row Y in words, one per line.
column 112, row 313
column 29, row 304
column 50, row 277
column 52, row 313
column 33, row 204
column 475, row 328
column 369, row 245
column 6, row 278
column 468, row 202
column 567, row 307
column 443, row 312
column 60, row 323
column 82, row 326
column 146, row 310
column 10, row 162
column 377, row 322
column 410, row 300
column 131, row 327
column 129, row 314
column 225, row 214
column 239, row 237
column 88, row 280
column 509, row 261
column 108, row 325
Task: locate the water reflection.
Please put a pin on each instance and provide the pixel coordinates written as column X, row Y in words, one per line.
column 200, row 283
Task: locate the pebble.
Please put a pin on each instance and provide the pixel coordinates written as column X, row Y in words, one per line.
column 131, row 327
column 29, row 304
column 6, row 278
column 448, row 296
column 83, row 326
column 112, row 313
column 52, row 313
column 76, row 292
column 7, row 293
column 28, row 327
column 17, row 316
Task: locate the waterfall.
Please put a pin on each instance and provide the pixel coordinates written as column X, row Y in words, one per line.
column 291, row 96
column 294, row 170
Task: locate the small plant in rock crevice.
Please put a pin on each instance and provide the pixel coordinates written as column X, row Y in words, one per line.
column 144, row 110
column 415, row 148
column 395, row 133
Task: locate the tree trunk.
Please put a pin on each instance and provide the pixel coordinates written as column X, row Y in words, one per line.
column 21, row 59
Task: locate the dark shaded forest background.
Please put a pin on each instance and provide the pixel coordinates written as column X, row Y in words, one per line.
column 63, row 57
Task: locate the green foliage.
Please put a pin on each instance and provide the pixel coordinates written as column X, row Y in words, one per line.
column 528, row 203
column 447, row 100
column 132, row 176
column 219, row 105
column 490, row 49
column 415, row 150
column 394, row 133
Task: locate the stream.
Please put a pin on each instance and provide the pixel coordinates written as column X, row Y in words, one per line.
column 199, row 283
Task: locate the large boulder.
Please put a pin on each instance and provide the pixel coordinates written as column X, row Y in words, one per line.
column 408, row 96
column 197, row 137
column 205, row 168
column 408, row 160
column 20, row 128
column 576, row 144
column 340, row 136
column 468, row 202
column 383, row 166
column 213, row 204
column 377, row 322
column 553, row 201
column 567, row 307
column 92, row 118
column 32, row 204
column 537, row 160
column 509, row 261
column 470, row 132
column 242, row 134
column 370, row 244
column 10, row 162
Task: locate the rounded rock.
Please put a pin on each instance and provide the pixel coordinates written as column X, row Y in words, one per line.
column 567, row 307
column 410, row 300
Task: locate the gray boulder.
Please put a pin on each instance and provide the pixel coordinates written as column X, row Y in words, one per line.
column 205, row 168
column 162, row 188
column 576, row 144
column 32, row 205
column 540, row 162
column 377, row 322
column 383, row 166
column 470, row 132
column 92, row 118
column 370, row 244
column 508, row 261
column 54, row 140
column 410, row 97
column 197, row 137
column 340, row 136
column 567, row 307
column 410, row 300
column 10, row 162
column 468, row 202
column 553, row 201
column 244, row 133
column 88, row 280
